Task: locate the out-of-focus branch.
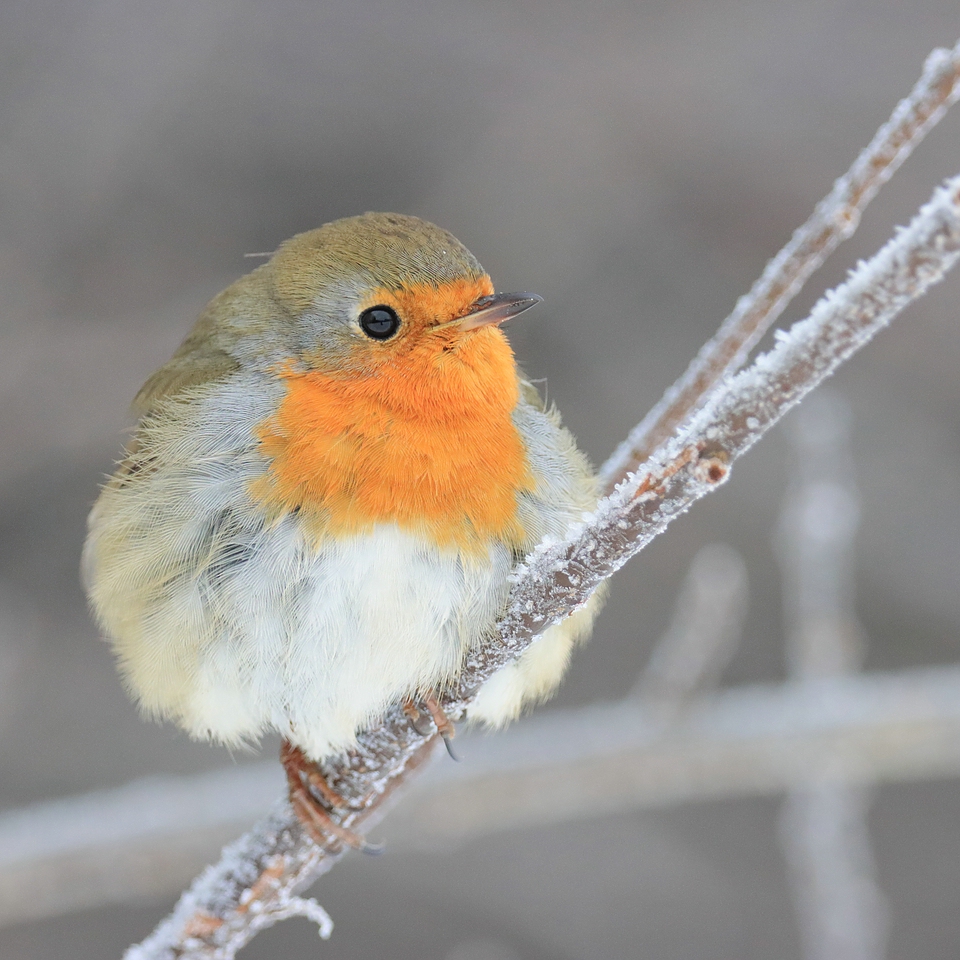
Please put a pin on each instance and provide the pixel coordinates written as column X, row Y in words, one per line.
column 703, row 634
column 557, row 766
column 823, row 828
column 764, row 739
column 833, row 220
column 815, row 544
column 127, row 843
column 841, row 909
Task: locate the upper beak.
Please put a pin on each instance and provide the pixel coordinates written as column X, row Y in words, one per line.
column 497, row 308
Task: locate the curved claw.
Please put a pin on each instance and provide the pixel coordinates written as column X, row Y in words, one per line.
column 372, row 849
column 450, row 752
column 413, row 714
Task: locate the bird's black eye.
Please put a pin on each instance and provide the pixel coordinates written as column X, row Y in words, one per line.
column 381, row 322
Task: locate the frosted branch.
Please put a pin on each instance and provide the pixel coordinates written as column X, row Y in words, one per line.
column 258, row 877
column 834, row 220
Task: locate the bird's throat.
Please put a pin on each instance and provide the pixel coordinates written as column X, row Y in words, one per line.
column 428, row 444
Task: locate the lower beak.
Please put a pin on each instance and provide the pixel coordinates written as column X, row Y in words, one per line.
column 497, row 308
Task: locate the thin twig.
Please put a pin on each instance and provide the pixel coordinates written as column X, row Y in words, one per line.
column 222, row 911
column 833, row 220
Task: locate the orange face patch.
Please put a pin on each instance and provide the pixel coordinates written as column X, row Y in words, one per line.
column 425, row 440
column 423, row 304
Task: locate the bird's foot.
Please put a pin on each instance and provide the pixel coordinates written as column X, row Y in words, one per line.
column 440, row 720
column 307, row 787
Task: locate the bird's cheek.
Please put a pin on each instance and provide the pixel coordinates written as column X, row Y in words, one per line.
column 341, row 356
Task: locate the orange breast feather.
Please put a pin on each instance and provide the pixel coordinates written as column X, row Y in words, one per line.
column 427, row 442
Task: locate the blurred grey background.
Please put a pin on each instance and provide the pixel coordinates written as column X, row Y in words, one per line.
column 635, row 164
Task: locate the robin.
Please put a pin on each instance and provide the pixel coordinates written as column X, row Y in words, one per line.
column 327, row 490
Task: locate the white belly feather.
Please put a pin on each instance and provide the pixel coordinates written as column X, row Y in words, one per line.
column 330, row 641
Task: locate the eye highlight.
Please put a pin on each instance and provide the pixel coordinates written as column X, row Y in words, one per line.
column 379, row 322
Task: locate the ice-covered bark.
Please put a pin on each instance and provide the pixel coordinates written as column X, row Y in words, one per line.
column 257, row 880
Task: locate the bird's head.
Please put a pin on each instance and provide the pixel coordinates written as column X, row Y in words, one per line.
column 379, row 290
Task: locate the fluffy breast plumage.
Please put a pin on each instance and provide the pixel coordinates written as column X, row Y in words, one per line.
column 232, row 617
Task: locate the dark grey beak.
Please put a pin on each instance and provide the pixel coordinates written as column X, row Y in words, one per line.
column 497, row 308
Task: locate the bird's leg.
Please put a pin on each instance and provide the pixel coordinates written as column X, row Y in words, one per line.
column 444, row 727
column 305, row 781
column 293, row 758
column 441, row 721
